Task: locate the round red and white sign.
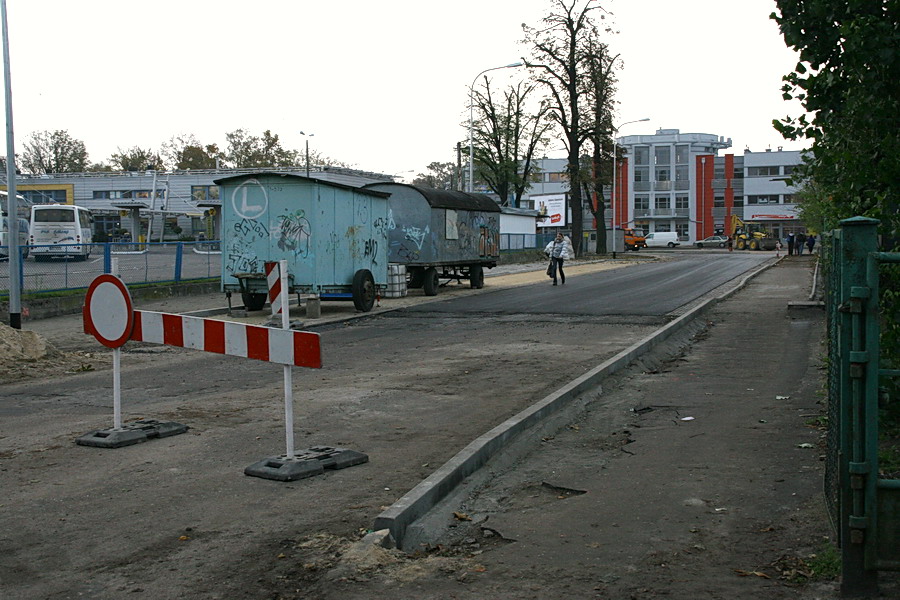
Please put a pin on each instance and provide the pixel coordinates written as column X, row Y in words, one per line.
column 109, row 313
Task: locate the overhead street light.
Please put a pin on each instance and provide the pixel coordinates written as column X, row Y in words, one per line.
column 469, row 186
column 615, row 173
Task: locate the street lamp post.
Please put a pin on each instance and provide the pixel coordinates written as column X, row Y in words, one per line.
column 469, row 186
column 307, row 136
column 615, row 174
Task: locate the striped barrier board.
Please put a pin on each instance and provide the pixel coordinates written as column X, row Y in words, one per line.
column 282, row 346
column 273, row 280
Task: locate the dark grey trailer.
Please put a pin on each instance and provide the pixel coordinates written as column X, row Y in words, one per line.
column 441, row 234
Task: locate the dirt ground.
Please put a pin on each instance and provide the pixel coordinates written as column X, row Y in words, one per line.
column 688, row 480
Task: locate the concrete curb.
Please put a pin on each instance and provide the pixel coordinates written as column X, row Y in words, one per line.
column 428, row 493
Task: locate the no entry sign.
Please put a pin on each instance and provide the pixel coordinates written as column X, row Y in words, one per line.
column 108, row 311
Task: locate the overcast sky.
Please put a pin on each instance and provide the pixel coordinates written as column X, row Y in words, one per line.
column 382, row 85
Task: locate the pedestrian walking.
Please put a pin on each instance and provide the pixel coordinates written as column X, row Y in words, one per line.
column 790, row 241
column 558, row 250
column 731, row 243
column 800, row 241
column 778, row 249
column 811, row 242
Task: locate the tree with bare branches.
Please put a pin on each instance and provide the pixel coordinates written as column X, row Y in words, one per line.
column 560, row 61
column 506, row 137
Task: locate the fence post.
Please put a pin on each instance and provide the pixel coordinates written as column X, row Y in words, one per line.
column 179, row 253
column 859, row 407
column 107, row 257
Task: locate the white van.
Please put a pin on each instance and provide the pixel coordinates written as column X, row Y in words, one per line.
column 60, row 230
column 660, row 239
column 4, row 236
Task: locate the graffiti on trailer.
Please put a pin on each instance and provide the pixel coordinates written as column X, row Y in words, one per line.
column 381, row 224
column 248, row 227
column 407, row 254
column 417, row 235
column 489, row 242
column 241, row 258
column 372, row 250
column 294, row 233
column 362, row 212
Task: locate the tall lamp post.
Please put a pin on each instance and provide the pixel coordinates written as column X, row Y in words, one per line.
column 469, row 186
column 307, row 136
column 615, row 174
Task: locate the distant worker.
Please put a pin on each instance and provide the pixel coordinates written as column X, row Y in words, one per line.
column 811, row 242
column 558, row 251
column 800, row 241
column 731, row 242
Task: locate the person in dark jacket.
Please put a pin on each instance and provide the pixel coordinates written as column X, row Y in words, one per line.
column 811, row 243
column 801, row 240
column 790, row 241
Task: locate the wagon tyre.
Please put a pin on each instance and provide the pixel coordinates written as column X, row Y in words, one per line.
column 431, row 281
column 671, row 244
column 699, row 244
column 476, row 277
column 253, row 301
column 363, row 290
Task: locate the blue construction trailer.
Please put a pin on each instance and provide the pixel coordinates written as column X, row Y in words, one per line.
column 441, row 234
column 334, row 237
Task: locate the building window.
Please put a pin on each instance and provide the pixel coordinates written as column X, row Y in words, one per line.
column 682, row 202
column 660, row 227
column 719, row 201
column 738, row 201
column 762, row 171
column 763, row 199
column 681, row 154
column 642, row 203
column 551, row 178
column 43, row 196
column 682, row 173
column 202, row 193
column 642, row 173
column 788, row 169
column 663, row 174
column 788, row 198
column 641, row 155
column 682, row 230
column 663, row 155
column 662, row 202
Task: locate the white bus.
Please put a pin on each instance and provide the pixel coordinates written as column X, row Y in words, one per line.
column 60, row 230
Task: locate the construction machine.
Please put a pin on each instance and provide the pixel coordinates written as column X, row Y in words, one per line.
column 750, row 236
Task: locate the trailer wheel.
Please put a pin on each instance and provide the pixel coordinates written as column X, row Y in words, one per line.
column 253, row 301
column 431, row 281
column 476, row 277
column 363, row 290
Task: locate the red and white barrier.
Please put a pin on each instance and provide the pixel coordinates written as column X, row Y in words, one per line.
column 273, row 280
column 282, row 346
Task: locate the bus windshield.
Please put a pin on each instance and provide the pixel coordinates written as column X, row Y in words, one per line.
column 54, row 215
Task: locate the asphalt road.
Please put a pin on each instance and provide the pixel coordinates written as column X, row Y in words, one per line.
column 176, row 517
column 652, row 289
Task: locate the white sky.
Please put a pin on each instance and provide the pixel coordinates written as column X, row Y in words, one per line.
column 382, row 85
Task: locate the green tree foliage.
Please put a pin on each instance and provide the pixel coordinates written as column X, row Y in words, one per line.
column 53, row 152
column 439, row 175
column 250, row 151
column 186, row 152
column 506, row 136
column 848, row 79
column 136, row 159
column 560, row 62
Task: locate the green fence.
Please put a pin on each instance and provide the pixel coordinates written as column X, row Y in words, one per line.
column 864, row 505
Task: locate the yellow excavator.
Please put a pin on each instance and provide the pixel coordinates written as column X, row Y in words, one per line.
column 750, row 236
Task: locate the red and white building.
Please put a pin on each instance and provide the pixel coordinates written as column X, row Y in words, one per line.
column 673, row 181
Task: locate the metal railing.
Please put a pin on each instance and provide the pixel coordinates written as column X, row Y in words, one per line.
column 863, row 502
column 69, row 267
